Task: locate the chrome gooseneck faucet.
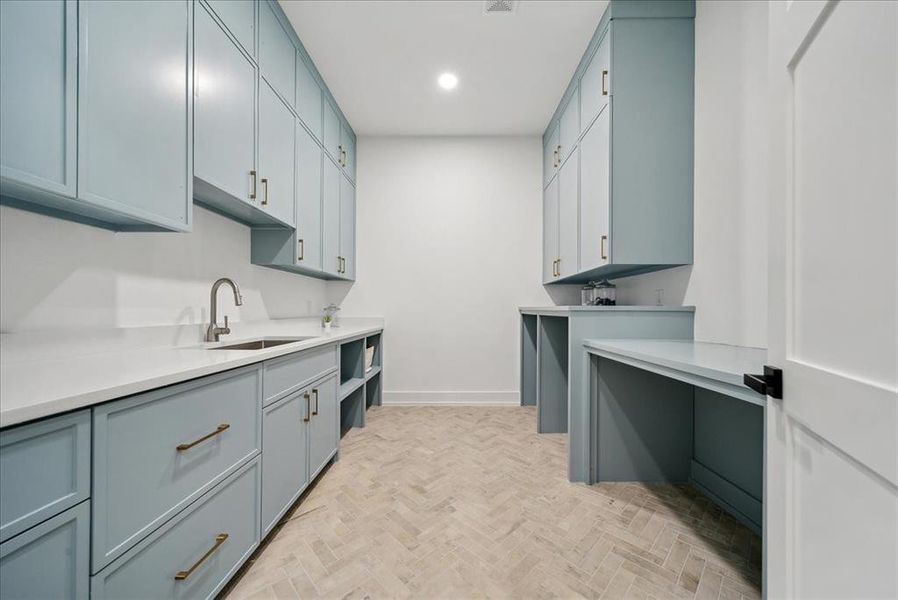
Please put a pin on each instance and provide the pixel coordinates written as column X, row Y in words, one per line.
column 213, row 332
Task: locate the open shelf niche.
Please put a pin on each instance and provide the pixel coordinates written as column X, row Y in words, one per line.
column 361, row 387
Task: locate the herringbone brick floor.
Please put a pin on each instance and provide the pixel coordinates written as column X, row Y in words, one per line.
column 469, row 502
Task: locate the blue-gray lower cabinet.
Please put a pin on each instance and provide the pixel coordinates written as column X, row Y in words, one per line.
column 155, row 453
column 324, row 424
column 197, row 552
column 38, row 74
column 58, row 449
column 135, row 111
column 50, row 560
column 285, row 465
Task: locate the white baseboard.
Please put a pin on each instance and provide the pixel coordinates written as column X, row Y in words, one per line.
column 452, row 398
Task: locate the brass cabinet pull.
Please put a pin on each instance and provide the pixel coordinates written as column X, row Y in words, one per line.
column 264, row 191
column 340, row 155
column 342, row 264
column 252, row 194
column 219, row 540
column 344, row 158
column 189, row 445
column 308, row 416
column 604, row 253
column 558, row 156
column 338, row 265
column 605, row 83
column 302, row 249
column 559, row 268
column 315, row 412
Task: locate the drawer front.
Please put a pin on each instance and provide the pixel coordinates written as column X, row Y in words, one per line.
column 287, row 374
column 157, row 452
column 50, row 560
column 58, row 449
column 203, row 546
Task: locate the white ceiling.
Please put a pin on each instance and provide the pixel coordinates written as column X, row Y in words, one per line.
column 381, row 60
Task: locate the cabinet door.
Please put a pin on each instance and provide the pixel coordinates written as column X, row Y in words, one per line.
column 276, row 156
column 347, row 146
column 331, row 132
column 595, row 83
column 135, row 113
column 550, row 157
column 347, row 227
column 38, row 61
column 285, row 466
column 277, row 55
column 225, row 110
column 308, row 199
column 50, row 560
column 331, row 223
column 323, row 428
column 308, row 98
column 595, row 150
column 569, row 126
column 550, row 230
column 239, row 16
column 568, row 209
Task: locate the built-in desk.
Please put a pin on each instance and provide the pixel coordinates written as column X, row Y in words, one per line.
column 676, row 410
column 555, row 369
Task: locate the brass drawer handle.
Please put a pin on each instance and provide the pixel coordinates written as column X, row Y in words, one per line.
column 308, row 416
column 264, row 191
column 315, row 412
column 252, row 194
column 605, row 83
column 338, row 265
column 604, row 252
column 219, row 540
column 188, row 446
column 302, row 250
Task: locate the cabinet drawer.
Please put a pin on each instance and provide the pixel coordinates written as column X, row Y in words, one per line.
column 58, row 449
column 204, row 546
column 289, row 373
column 50, row 560
column 157, row 452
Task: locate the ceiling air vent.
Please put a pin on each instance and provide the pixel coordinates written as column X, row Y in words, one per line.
column 499, row 7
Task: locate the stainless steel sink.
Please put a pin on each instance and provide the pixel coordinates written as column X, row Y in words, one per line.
column 261, row 344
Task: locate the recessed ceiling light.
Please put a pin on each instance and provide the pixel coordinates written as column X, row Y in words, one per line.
column 447, row 81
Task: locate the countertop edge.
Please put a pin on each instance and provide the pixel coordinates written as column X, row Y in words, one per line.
column 57, row 406
column 535, row 310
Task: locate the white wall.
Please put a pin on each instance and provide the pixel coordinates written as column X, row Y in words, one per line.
column 728, row 281
column 449, row 245
column 58, row 274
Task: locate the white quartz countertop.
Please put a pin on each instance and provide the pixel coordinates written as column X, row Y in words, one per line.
column 714, row 366
column 554, row 310
column 48, row 380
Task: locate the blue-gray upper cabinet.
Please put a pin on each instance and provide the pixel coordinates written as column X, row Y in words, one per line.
column 635, row 88
column 550, row 231
column 595, row 84
column 38, row 74
column 595, row 192
column 550, row 156
column 568, row 213
column 285, row 464
column 59, row 449
column 569, row 127
column 324, row 423
column 308, row 200
column 277, row 141
column 239, row 16
column 347, row 151
column 331, row 183
column 277, row 55
column 135, row 113
column 225, row 119
column 332, row 132
column 347, row 228
column 308, row 98
column 50, row 560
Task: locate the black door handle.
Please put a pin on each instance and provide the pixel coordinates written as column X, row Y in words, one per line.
column 768, row 384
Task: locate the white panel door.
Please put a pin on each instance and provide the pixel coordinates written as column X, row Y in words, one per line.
column 831, row 472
